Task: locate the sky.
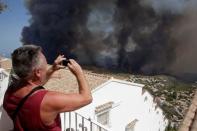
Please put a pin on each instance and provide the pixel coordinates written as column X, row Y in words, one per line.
column 12, row 21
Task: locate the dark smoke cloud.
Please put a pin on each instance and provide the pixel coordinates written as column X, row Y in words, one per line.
column 56, row 25
column 166, row 6
column 185, row 34
column 131, row 35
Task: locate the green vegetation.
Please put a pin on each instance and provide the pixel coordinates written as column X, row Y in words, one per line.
column 173, row 96
column 170, row 128
column 3, row 6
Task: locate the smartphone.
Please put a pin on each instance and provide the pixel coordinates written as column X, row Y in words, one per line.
column 65, row 62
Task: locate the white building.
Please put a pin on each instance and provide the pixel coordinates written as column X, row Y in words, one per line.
column 124, row 106
column 5, row 121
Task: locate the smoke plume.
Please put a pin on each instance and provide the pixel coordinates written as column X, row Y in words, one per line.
column 132, row 35
column 185, row 34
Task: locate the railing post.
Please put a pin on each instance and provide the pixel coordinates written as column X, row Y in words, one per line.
column 64, row 121
column 76, row 121
column 82, row 123
column 90, row 125
column 69, row 120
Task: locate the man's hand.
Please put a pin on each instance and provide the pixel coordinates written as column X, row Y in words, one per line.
column 56, row 66
column 58, row 63
column 75, row 68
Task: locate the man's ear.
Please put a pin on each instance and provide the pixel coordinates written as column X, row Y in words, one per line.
column 37, row 74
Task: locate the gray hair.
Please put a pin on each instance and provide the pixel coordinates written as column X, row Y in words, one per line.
column 25, row 59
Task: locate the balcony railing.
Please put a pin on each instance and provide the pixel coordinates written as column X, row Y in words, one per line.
column 73, row 121
column 2, row 76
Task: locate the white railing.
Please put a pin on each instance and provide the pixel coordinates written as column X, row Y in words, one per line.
column 3, row 75
column 72, row 121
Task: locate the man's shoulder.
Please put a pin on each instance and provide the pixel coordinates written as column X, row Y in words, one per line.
column 53, row 94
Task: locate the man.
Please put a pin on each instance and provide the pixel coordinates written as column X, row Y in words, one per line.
column 40, row 112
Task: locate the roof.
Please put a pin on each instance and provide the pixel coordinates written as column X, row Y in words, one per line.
column 118, row 81
column 194, row 123
column 190, row 121
column 6, row 63
column 64, row 81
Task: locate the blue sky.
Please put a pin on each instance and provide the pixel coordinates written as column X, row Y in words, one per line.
column 12, row 22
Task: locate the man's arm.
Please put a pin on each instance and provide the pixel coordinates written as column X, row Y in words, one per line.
column 60, row 102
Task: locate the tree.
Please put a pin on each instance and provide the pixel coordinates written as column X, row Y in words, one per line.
column 3, row 6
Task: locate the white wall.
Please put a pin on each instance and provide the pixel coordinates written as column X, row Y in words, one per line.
column 3, row 86
column 129, row 105
column 5, row 121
